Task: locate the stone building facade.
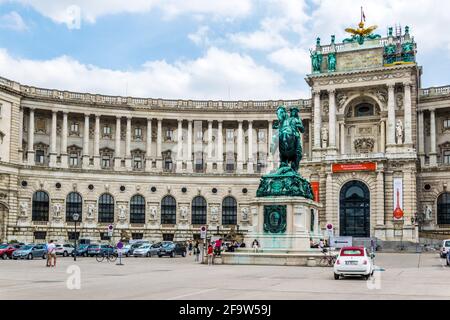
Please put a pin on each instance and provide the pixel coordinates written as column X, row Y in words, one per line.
column 160, row 169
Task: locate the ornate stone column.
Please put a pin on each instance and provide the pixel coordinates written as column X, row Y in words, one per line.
column 240, row 158
column 189, row 148
column 433, row 153
column 86, row 142
column 317, row 120
column 391, row 117
column 148, row 149
column 209, row 162
column 408, row 114
column 380, row 198
column 269, row 143
column 332, row 121
column 53, row 140
column 64, row 157
column 30, row 153
column 310, row 134
column 342, row 137
column 128, row 145
column 329, row 198
column 250, row 161
column 159, row 145
column 219, row 155
column 117, row 155
column 180, row 146
column 20, row 142
column 97, row 142
column 420, row 136
column 383, row 136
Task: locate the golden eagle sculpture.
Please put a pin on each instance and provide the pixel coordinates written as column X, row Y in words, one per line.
column 361, row 34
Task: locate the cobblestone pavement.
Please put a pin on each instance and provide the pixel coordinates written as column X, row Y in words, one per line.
column 399, row 276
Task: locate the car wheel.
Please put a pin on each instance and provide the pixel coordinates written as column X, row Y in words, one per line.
column 44, row 256
column 4, row 256
column 448, row 263
column 65, row 254
column 147, row 254
column 30, row 256
column 183, row 254
column 85, row 254
column 172, row 255
column 367, row 277
column 159, row 256
column 336, row 276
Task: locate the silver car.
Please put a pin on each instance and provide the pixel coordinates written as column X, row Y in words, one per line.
column 146, row 250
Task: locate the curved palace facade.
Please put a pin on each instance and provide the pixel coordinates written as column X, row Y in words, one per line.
column 160, row 169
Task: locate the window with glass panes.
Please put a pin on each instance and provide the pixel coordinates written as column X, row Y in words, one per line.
column 73, row 160
column 74, row 204
column 447, row 124
column 137, row 209
column 40, row 156
column 168, row 210
column 137, row 162
column 106, row 161
column 443, row 209
column 446, row 156
column 137, row 133
column 40, row 207
column 74, row 127
column 199, row 210
column 106, row 208
column 106, row 130
column 229, row 211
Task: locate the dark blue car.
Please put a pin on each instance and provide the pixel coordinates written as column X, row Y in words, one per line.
column 100, row 249
column 81, row 250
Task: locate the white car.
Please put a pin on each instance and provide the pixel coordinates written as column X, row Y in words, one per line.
column 64, row 249
column 354, row 261
column 445, row 247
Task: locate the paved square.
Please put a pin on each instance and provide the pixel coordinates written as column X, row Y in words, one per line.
column 405, row 276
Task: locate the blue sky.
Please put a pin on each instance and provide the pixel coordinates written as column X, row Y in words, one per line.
column 197, row 49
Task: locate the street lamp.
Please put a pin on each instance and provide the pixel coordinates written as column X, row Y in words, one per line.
column 75, row 218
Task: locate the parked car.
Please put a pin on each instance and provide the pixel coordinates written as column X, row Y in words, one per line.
column 136, row 245
column 96, row 249
column 147, row 250
column 172, row 249
column 30, row 252
column 125, row 250
column 447, row 260
column 64, row 249
column 354, row 261
column 445, row 247
column 81, row 250
column 6, row 250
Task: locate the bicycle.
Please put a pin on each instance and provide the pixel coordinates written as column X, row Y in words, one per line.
column 109, row 256
column 327, row 260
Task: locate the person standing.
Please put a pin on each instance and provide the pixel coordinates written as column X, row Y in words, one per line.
column 48, row 255
column 51, row 253
column 210, row 255
column 197, row 251
column 190, row 248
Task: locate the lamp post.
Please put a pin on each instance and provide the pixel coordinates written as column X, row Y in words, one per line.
column 75, row 218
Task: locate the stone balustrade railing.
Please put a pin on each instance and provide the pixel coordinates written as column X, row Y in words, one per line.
column 77, row 97
column 340, row 47
column 435, row 91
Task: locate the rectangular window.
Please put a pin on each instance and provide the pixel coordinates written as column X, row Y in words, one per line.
column 447, row 157
column 168, row 165
column 74, row 127
column 261, row 136
column 167, row 236
column 137, row 133
column 169, row 135
column 106, row 130
column 199, row 135
column 104, row 236
column 40, row 156
column 230, row 134
column 229, row 167
column 447, row 124
column 106, row 162
column 137, row 236
column 73, row 160
column 40, row 235
column 72, row 235
column 137, row 163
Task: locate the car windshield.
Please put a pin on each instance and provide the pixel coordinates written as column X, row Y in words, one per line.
column 144, row 246
column 447, row 244
column 26, row 247
column 352, row 252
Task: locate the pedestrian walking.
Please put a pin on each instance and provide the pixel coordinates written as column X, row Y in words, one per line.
column 210, row 255
column 190, row 248
column 51, row 253
column 197, row 252
column 48, row 255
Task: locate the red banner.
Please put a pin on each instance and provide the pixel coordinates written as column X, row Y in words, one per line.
column 315, row 190
column 367, row 166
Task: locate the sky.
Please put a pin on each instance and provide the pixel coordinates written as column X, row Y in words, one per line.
column 199, row 49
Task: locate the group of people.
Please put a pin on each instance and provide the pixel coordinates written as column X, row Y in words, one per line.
column 194, row 248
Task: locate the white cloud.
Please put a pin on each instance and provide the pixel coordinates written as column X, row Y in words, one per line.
column 200, row 37
column 13, row 21
column 258, row 40
column 292, row 59
column 211, row 76
column 61, row 11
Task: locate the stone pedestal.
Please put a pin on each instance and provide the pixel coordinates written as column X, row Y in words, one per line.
column 282, row 223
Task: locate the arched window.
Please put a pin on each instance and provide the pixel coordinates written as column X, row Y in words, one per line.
column 40, row 206
column 137, row 209
column 198, row 210
column 229, row 211
column 443, row 209
column 106, row 208
column 168, row 210
column 74, row 204
column 364, row 110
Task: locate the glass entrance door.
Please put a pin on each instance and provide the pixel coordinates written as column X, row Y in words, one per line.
column 354, row 215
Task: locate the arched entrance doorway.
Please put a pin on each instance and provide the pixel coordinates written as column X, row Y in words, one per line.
column 354, row 215
column 3, row 217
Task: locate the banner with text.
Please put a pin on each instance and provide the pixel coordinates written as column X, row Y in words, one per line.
column 345, row 167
